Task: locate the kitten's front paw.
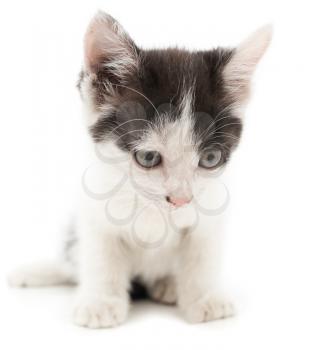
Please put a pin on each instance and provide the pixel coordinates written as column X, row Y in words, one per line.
column 100, row 312
column 208, row 309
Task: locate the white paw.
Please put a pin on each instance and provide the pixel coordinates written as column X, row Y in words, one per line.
column 100, row 312
column 164, row 291
column 208, row 309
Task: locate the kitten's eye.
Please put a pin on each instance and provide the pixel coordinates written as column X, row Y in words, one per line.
column 147, row 159
column 210, row 159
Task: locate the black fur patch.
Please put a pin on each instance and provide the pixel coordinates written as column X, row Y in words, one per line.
column 138, row 290
column 163, row 77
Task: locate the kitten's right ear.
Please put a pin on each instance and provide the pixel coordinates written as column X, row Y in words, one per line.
column 241, row 66
column 108, row 48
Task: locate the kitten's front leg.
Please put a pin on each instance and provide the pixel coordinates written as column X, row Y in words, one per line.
column 199, row 296
column 104, row 278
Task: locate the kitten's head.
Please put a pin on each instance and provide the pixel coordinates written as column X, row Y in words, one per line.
column 175, row 114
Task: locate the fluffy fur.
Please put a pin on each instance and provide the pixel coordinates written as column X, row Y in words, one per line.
column 180, row 104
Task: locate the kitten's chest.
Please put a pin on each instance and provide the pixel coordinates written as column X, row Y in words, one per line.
column 153, row 265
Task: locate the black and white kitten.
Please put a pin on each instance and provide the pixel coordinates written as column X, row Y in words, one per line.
column 163, row 124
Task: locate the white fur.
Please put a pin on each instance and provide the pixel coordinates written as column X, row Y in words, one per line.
column 112, row 254
column 154, row 242
column 46, row 274
column 127, row 229
column 148, row 245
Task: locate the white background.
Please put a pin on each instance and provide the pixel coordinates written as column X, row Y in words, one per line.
column 269, row 246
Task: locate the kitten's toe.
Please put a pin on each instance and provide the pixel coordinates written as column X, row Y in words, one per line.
column 208, row 309
column 164, row 291
column 100, row 312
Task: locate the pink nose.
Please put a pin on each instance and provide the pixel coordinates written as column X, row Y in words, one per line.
column 178, row 202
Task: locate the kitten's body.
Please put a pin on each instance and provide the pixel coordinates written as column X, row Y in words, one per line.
column 161, row 226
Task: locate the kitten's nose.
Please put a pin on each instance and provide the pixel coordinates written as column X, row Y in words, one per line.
column 178, row 202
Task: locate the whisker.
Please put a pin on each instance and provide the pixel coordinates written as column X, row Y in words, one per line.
column 227, row 135
column 139, row 93
column 217, row 119
column 226, row 125
column 222, row 146
column 129, row 132
column 211, row 125
column 219, row 128
column 128, row 121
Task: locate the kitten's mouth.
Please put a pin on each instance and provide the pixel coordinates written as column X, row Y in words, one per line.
column 178, row 202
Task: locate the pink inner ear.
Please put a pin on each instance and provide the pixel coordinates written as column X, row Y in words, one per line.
column 96, row 44
column 248, row 54
column 91, row 50
column 105, row 38
column 238, row 72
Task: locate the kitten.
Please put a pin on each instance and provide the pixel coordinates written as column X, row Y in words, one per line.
column 163, row 124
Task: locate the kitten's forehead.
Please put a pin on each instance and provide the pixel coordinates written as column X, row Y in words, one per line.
column 167, row 74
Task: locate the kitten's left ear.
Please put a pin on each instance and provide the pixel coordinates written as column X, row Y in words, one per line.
column 108, row 48
column 238, row 71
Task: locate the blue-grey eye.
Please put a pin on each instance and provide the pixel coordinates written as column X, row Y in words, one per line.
column 147, row 159
column 210, row 159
